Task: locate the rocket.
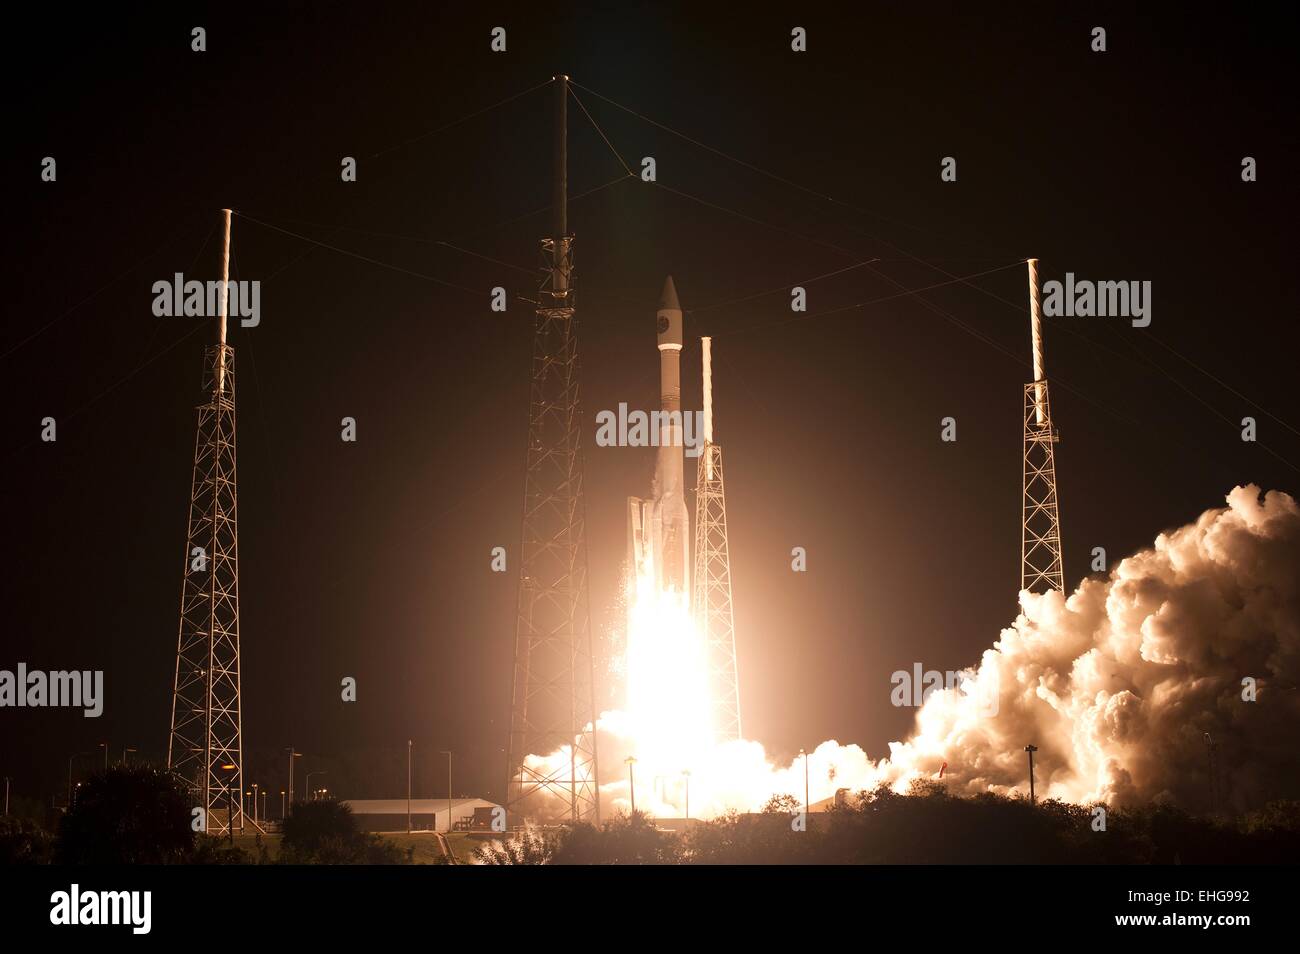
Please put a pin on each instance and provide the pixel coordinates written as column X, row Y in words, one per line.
column 659, row 528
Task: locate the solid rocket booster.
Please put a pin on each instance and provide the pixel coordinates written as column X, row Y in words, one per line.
column 669, row 520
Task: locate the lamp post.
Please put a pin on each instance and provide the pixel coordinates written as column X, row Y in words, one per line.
column 230, row 800
column 264, row 815
column 71, row 759
column 282, row 794
column 104, row 746
column 631, row 780
column 435, row 825
column 293, row 754
column 310, row 794
column 1031, row 749
column 408, row 789
column 6, row 794
column 125, row 750
column 686, row 773
column 807, row 806
column 254, row 803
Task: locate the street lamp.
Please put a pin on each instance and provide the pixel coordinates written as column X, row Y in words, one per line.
column 254, row 803
column 230, row 801
column 686, row 773
column 282, row 794
column 104, row 746
column 435, row 817
column 310, row 793
column 1031, row 749
column 6, row 794
column 125, row 750
column 631, row 781
column 807, row 805
column 408, row 789
column 292, row 755
column 71, row 758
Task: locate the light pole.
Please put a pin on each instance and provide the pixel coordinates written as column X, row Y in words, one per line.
column 686, row 773
column 310, row 796
column 104, row 746
column 264, row 815
column 6, row 794
column 631, row 781
column 1031, row 749
column 125, row 750
column 435, row 820
column 293, row 754
column 71, row 759
column 807, row 806
column 229, row 768
column 282, row 794
column 254, row 803
column 408, row 789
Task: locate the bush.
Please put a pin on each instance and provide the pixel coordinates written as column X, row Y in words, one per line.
column 130, row 815
column 326, row 833
column 23, row 842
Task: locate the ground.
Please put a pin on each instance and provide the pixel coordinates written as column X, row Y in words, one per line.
column 427, row 848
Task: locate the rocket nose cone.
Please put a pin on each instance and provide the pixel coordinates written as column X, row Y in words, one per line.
column 668, row 297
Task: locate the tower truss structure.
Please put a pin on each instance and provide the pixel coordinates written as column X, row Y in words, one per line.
column 1041, row 566
column 552, row 753
column 206, row 743
column 712, row 598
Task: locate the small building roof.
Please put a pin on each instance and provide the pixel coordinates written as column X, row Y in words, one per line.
column 419, row 806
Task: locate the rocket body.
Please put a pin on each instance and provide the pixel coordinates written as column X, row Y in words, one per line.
column 670, row 519
column 659, row 528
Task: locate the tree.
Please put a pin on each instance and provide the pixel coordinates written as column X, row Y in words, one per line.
column 532, row 846
column 23, row 842
column 324, row 832
column 128, row 815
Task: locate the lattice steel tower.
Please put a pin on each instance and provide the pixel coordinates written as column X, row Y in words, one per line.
column 553, row 700
column 206, row 747
column 1040, row 536
column 712, row 598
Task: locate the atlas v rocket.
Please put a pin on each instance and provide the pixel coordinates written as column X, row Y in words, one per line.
column 659, row 528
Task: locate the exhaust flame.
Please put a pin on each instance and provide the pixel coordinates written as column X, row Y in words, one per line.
column 1119, row 685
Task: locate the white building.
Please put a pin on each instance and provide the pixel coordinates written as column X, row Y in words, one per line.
column 427, row 814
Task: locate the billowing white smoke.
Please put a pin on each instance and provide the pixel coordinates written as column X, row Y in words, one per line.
column 1119, row 686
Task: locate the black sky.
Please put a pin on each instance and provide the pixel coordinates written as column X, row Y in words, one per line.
column 372, row 559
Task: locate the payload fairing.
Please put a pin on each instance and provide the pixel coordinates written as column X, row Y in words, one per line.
column 659, row 528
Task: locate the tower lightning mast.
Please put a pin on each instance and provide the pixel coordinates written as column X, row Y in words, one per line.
column 206, row 743
column 553, row 704
column 1040, row 536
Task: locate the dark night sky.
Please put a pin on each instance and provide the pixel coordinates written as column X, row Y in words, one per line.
column 372, row 559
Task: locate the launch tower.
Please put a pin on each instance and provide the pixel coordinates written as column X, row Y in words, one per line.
column 1040, row 537
column 553, row 705
column 206, row 743
column 712, row 600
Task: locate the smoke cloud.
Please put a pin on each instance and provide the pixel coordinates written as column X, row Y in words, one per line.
column 1124, row 685
column 1173, row 678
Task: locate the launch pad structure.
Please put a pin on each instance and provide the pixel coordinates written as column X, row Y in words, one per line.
column 712, row 596
column 1040, row 533
column 206, row 743
column 553, row 697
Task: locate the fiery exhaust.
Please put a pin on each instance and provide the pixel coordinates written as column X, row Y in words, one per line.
column 1119, row 685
